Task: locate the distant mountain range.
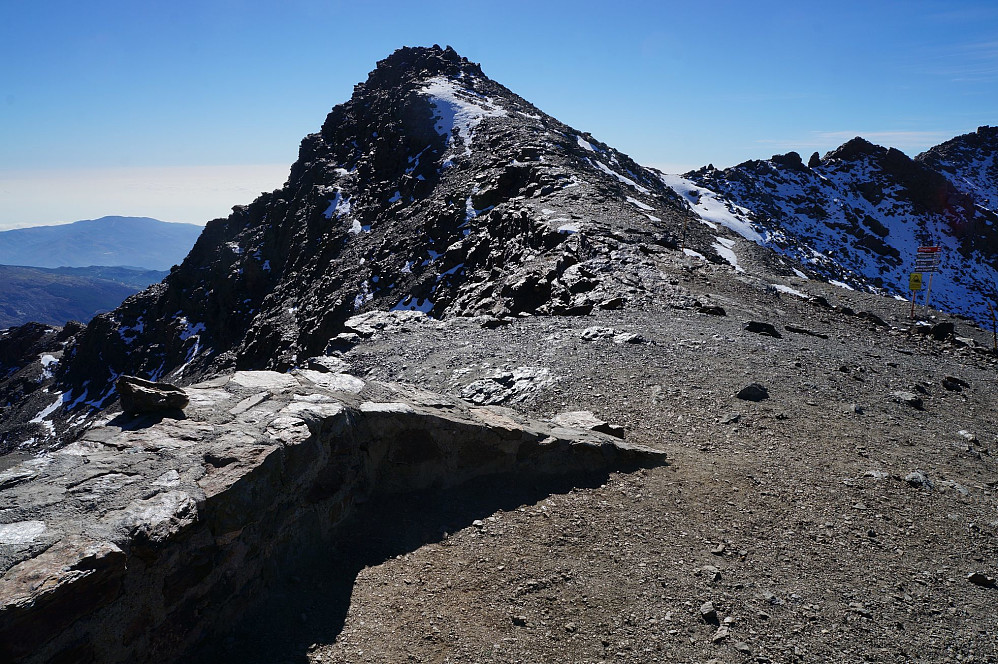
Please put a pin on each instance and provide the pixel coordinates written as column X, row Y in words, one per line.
column 139, row 242
column 54, row 274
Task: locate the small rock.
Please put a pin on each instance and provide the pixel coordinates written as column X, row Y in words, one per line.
column 711, row 573
column 942, row 331
column 854, row 408
column 981, row 579
column 491, row 322
column 718, row 550
column 858, row 608
column 955, row 486
column 628, row 338
column 967, row 435
column 731, row 418
column 743, row 647
column 587, row 421
column 760, row 327
column 873, row 318
column 571, row 627
column 803, row 330
column 713, row 310
column 908, row 399
column 753, row 392
column 722, row 633
column 613, row 303
column 595, row 333
column 918, row 479
column 143, row 396
column 519, row 621
column 954, row 384
column 771, row 598
column 709, row 613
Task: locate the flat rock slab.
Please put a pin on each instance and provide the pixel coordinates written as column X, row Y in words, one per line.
column 160, row 521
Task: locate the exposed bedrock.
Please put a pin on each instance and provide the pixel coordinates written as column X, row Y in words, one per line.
column 143, row 538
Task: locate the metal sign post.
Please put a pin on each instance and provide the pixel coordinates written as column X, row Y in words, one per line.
column 994, row 326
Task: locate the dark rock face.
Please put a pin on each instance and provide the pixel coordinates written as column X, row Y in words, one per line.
column 143, row 396
column 433, row 188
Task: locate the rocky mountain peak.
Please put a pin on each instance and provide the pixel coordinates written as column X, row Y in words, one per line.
column 853, row 149
column 432, row 189
column 419, row 63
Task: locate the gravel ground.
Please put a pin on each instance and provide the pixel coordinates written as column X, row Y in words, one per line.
column 832, row 521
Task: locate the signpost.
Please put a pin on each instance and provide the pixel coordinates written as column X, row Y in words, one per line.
column 927, row 261
column 994, row 326
column 914, row 285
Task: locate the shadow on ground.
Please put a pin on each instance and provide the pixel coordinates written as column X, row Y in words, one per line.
column 307, row 602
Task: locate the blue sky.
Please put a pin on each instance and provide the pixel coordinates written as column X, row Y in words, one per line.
column 180, row 110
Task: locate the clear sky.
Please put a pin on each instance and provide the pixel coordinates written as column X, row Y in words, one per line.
column 179, row 110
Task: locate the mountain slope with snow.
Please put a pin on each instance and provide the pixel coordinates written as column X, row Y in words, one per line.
column 858, row 215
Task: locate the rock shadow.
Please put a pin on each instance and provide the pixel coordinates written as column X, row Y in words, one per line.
column 307, row 600
column 134, row 422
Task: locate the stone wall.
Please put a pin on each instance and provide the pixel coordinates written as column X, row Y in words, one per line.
column 145, row 536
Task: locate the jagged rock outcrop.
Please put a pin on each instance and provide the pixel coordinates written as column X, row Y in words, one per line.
column 136, row 541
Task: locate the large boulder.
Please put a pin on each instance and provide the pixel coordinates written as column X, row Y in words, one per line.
column 144, row 396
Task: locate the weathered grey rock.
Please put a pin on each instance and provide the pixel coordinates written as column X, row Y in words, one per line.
column 508, row 386
column 183, row 518
column 143, row 396
column 918, row 479
column 731, row 418
column 908, row 399
column 327, row 364
column 587, row 421
column 709, row 613
column 753, row 392
column 595, row 333
column 710, row 572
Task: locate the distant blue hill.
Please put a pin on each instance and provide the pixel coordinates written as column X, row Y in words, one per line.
column 133, row 241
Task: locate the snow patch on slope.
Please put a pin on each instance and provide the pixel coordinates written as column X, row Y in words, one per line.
column 458, row 110
column 709, row 206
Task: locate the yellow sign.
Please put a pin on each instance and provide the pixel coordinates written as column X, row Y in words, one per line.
column 915, row 281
